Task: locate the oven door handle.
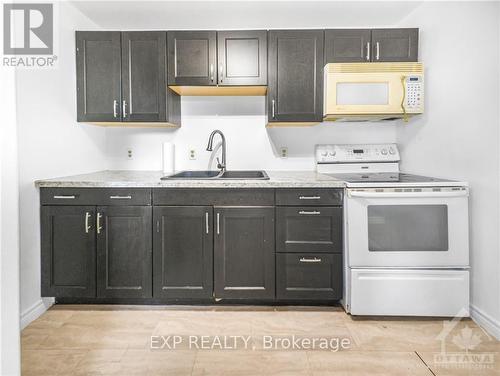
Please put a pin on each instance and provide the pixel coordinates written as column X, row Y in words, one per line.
column 462, row 193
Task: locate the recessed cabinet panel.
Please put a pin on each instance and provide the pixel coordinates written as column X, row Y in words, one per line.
column 183, row 252
column 192, row 58
column 244, row 253
column 395, row 45
column 295, row 64
column 242, row 57
column 143, row 76
column 68, row 251
column 98, row 59
column 124, row 251
column 347, row 45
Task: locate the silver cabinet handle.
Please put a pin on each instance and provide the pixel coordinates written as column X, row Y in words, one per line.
column 124, row 108
column 367, row 51
column 120, row 197
column 221, row 72
column 206, row 222
column 309, row 197
column 98, row 225
column 315, row 212
column 314, row 259
column 115, row 111
column 218, row 224
column 273, row 109
column 64, row 197
column 87, row 226
column 377, row 46
column 212, row 72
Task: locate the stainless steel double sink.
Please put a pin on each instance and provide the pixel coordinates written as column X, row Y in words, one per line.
column 226, row 175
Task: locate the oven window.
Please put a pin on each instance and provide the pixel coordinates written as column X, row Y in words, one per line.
column 407, row 228
column 362, row 93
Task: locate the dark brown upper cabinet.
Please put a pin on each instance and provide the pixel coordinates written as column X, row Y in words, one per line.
column 143, row 76
column 295, row 66
column 242, row 57
column 98, row 75
column 121, row 78
column 347, row 45
column 192, row 57
column 395, row 45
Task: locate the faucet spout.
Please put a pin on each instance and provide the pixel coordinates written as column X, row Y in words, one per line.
column 221, row 164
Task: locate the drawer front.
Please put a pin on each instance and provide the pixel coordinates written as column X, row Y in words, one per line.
column 307, row 196
column 214, row 197
column 95, row 196
column 309, row 276
column 309, row 229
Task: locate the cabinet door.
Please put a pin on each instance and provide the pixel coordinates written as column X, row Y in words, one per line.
column 192, row 58
column 242, row 57
column 395, row 45
column 244, row 253
column 183, row 252
column 347, row 45
column 124, row 252
column 143, row 75
column 98, row 75
column 309, row 229
column 68, row 251
column 295, row 63
column 310, row 276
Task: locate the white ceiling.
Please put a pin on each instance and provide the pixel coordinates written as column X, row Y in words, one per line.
column 243, row 14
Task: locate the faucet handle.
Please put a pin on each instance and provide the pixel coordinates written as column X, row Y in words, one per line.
column 218, row 162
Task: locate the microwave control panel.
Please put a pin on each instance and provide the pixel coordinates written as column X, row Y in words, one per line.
column 414, row 97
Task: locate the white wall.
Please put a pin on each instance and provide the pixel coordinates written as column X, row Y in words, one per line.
column 51, row 144
column 458, row 137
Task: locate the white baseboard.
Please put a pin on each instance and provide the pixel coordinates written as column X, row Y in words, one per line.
column 35, row 311
column 484, row 320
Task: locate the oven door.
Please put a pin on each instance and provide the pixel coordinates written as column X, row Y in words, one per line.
column 407, row 229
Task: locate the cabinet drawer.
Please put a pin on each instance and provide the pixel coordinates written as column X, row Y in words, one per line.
column 95, row 196
column 311, row 276
column 214, row 196
column 308, row 196
column 308, row 229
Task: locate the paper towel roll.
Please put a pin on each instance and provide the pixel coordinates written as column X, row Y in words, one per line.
column 168, row 158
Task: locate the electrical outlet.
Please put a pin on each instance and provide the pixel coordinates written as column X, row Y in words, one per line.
column 283, row 152
column 130, row 154
column 192, row 154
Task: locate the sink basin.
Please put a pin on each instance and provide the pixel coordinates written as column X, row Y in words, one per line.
column 231, row 175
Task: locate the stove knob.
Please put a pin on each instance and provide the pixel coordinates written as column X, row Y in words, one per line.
column 384, row 151
column 332, row 153
column 392, row 151
column 324, row 153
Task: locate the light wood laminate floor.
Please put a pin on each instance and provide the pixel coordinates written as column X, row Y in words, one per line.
column 134, row 340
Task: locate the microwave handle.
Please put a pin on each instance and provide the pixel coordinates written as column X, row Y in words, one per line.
column 403, row 100
column 462, row 193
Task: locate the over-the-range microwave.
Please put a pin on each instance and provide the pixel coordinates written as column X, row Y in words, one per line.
column 373, row 91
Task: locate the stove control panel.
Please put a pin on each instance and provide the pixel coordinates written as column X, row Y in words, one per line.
column 361, row 153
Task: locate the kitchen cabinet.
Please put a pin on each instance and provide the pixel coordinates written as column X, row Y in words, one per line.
column 295, row 67
column 68, row 257
column 121, row 79
column 244, row 258
column 183, row 252
column 192, row 57
column 395, row 45
column 242, row 57
column 347, row 45
column 98, row 76
column 365, row 45
column 124, row 251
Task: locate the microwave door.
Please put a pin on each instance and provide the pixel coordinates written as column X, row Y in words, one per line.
column 387, row 229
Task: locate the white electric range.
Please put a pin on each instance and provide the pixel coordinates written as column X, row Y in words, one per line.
column 406, row 242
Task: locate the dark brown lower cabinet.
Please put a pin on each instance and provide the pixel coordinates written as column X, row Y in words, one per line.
column 183, row 252
column 124, row 251
column 244, row 266
column 68, row 251
column 309, row 276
